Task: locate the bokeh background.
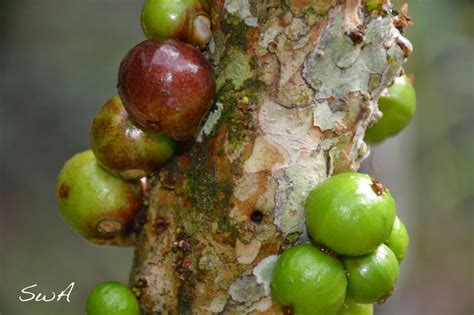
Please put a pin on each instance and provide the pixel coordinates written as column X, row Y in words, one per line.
column 58, row 64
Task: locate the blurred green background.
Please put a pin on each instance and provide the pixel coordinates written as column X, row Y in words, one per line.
column 58, row 64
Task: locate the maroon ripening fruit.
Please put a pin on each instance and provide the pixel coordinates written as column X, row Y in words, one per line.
column 166, row 86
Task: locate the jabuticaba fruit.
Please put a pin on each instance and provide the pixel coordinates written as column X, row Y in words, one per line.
column 96, row 204
column 166, row 86
column 398, row 108
column 350, row 213
column 125, row 148
column 186, row 20
column 308, row 281
column 371, row 278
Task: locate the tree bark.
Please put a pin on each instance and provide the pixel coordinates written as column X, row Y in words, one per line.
column 297, row 85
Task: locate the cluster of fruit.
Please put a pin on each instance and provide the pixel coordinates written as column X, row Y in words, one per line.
column 166, row 86
column 359, row 243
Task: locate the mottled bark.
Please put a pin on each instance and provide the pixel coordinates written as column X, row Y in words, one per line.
column 297, row 85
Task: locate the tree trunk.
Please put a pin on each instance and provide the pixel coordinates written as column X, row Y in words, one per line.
column 297, row 85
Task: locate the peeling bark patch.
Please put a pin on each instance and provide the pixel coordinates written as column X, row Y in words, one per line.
column 242, row 7
column 293, row 131
column 246, row 253
column 246, row 290
column 263, row 272
column 247, row 187
column 337, row 67
column 218, row 304
column 265, row 156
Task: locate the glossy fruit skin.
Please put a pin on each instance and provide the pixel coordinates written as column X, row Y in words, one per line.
column 350, row 213
column 164, row 19
column 309, row 281
column 398, row 240
column 398, row 108
column 112, row 298
column 166, row 86
column 123, row 147
column 371, row 278
column 96, row 204
column 350, row 307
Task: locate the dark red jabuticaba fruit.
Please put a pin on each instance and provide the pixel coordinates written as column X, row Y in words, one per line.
column 166, row 86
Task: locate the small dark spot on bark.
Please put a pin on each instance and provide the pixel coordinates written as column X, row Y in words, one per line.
column 378, row 187
column 141, row 283
column 272, row 47
column 257, row 216
column 166, row 180
column 357, row 35
column 63, row 191
column 182, row 242
column 161, row 225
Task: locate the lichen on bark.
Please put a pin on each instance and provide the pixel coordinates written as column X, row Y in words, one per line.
column 298, row 83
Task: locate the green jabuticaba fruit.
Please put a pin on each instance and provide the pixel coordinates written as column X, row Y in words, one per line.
column 309, row 281
column 112, row 298
column 96, row 204
column 398, row 108
column 123, row 147
column 398, row 239
column 186, row 20
column 350, row 307
column 371, row 278
column 350, row 213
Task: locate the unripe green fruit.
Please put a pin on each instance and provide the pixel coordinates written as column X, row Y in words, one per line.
column 371, row 278
column 112, row 298
column 186, row 20
column 350, row 307
column 309, row 281
column 96, row 204
column 124, row 148
column 398, row 240
column 350, row 213
column 398, row 108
